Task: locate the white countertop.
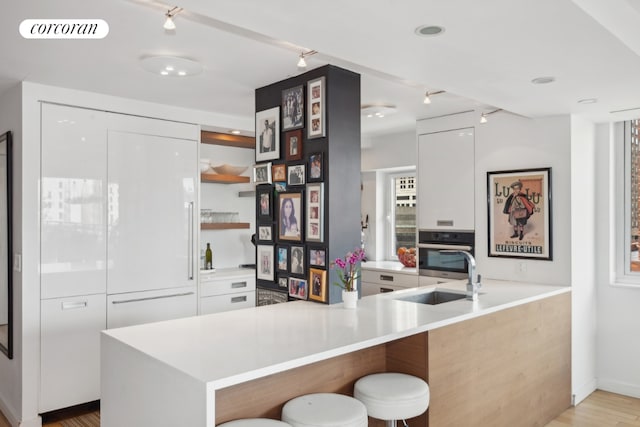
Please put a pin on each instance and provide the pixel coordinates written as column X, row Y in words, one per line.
column 228, row 348
column 390, row 266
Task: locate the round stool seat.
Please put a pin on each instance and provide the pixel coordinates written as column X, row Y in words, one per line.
column 392, row 396
column 323, row 410
column 254, row 422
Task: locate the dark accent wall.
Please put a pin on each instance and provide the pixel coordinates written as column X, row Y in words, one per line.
column 340, row 148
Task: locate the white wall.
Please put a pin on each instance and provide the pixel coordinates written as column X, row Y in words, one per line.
column 389, row 151
column 583, row 269
column 617, row 314
column 20, row 378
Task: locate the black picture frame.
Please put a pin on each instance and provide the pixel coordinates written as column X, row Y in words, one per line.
column 265, row 232
column 282, row 258
column 316, row 168
column 316, row 256
column 6, row 204
column 297, row 266
column 264, row 203
column 293, row 108
column 519, row 214
column 296, row 174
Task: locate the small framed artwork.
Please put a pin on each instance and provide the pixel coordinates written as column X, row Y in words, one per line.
column 283, row 258
column 298, row 288
column 297, row 260
column 281, row 187
column 283, row 282
column 264, row 233
column 315, row 212
column 262, row 173
column 519, row 203
column 290, row 216
column 264, row 255
column 317, row 257
column 315, row 167
column 293, row 143
column 318, row 284
column 316, row 108
column 292, row 108
column 279, row 173
column 296, row 175
column 264, row 206
column 268, row 134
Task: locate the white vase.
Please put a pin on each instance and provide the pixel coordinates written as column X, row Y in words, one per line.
column 350, row 299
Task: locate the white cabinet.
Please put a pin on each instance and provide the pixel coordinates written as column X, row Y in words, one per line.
column 150, row 306
column 72, row 202
column 227, row 290
column 70, row 350
column 151, row 212
column 379, row 281
column 446, row 181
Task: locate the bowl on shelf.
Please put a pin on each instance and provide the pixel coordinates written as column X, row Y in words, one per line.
column 229, row 170
column 205, row 164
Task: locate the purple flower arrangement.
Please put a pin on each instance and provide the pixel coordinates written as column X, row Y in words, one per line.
column 348, row 269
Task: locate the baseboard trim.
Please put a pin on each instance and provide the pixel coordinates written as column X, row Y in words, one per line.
column 70, row 412
column 631, row 390
column 582, row 392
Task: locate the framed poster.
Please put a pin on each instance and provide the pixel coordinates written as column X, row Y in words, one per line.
column 264, row 256
column 293, row 143
column 316, row 108
column 519, row 203
column 268, row 134
column 297, row 288
column 264, row 206
column 317, row 284
column 315, row 167
column 315, row 212
column 290, row 216
column 292, row 108
column 262, row 173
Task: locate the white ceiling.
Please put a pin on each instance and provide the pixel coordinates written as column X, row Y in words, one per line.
column 485, row 60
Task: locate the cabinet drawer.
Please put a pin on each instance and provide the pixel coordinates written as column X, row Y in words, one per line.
column 152, row 306
column 376, row 288
column 391, row 279
column 227, row 285
column 220, row 303
column 70, row 350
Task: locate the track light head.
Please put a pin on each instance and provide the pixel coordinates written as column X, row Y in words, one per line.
column 427, row 98
column 483, row 118
column 168, row 23
column 302, row 64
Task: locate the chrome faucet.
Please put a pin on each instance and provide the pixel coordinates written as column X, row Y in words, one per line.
column 472, row 286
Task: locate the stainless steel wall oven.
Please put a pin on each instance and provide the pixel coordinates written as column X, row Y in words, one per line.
column 433, row 263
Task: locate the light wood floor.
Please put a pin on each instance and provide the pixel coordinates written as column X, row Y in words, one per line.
column 601, row 409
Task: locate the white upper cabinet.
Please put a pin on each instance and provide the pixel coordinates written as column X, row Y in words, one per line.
column 446, row 184
column 73, row 206
column 151, row 210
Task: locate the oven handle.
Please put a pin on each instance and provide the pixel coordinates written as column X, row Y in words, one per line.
column 437, row 246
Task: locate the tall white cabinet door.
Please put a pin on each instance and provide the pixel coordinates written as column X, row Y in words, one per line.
column 446, row 180
column 151, row 212
column 73, row 202
column 70, row 350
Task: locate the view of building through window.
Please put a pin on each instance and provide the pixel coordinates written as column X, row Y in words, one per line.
column 634, row 213
column 404, row 223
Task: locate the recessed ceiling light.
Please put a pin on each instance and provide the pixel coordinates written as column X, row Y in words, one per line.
column 543, row 80
column 588, row 101
column 167, row 66
column 372, row 110
column 429, row 30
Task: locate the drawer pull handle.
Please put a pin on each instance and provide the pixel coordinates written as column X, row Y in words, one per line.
column 386, row 278
column 126, row 301
column 73, row 305
column 385, row 290
column 239, row 285
column 239, row 299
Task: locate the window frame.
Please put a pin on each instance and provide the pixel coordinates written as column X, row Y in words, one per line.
column 390, row 211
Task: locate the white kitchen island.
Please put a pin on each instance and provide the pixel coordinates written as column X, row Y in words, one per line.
column 175, row 373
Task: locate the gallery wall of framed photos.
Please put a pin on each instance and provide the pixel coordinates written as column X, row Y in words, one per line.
column 307, row 137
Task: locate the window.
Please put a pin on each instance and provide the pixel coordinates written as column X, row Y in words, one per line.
column 402, row 212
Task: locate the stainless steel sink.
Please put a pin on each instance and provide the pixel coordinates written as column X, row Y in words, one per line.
column 433, row 297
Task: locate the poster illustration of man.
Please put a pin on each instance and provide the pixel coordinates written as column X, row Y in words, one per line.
column 519, row 213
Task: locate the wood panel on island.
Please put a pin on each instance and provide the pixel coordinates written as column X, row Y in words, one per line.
column 238, row 141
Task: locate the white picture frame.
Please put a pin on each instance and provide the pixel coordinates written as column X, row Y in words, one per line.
column 315, row 108
column 265, row 267
column 262, row 173
column 315, row 212
column 268, row 134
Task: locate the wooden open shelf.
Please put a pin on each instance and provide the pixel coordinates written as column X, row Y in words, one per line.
column 224, row 226
column 224, row 179
column 217, row 138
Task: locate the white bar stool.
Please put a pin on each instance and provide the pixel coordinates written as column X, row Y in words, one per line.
column 254, row 422
column 392, row 396
column 324, row 410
